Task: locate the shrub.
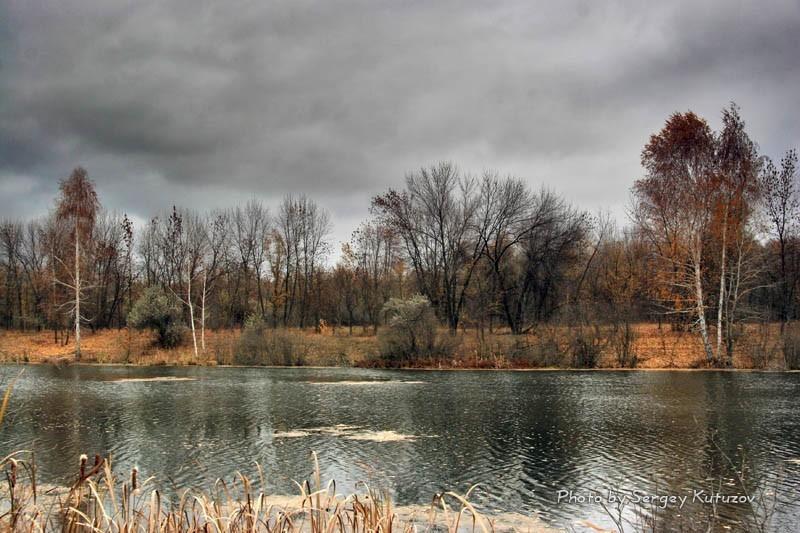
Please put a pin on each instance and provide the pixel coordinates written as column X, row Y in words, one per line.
column 791, row 347
column 286, row 349
column 622, row 339
column 761, row 347
column 252, row 348
column 586, row 345
column 155, row 310
column 260, row 345
column 536, row 350
column 411, row 330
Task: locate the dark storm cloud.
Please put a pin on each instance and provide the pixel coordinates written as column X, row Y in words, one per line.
column 208, row 103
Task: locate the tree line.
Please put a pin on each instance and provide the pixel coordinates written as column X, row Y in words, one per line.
column 711, row 243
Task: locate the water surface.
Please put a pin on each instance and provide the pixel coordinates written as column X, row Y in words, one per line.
column 522, row 435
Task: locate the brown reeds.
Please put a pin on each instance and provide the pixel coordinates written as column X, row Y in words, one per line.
column 101, row 501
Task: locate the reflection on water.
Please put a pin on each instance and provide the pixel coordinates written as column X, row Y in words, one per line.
column 522, row 435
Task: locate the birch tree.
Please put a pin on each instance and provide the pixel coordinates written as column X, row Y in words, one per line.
column 737, row 192
column 695, row 205
column 673, row 208
column 77, row 208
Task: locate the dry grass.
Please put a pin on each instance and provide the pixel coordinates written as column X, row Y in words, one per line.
column 98, row 501
column 758, row 346
column 139, row 348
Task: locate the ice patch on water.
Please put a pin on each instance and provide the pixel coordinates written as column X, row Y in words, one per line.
column 290, row 434
column 350, row 433
column 354, row 383
column 145, row 380
column 381, row 436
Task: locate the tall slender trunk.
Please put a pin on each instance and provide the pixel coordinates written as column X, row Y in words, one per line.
column 699, row 302
column 130, row 301
column 260, row 293
column 77, row 292
column 203, row 313
column 721, row 304
column 56, row 322
column 191, row 310
column 784, row 294
column 732, row 305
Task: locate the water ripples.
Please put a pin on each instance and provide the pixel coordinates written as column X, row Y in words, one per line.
column 522, row 436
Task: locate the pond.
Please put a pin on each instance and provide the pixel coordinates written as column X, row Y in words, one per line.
column 528, row 438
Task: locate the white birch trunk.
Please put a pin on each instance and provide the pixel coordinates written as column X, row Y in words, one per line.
column 191, row 311
column 203, row 314
column 699, row 301
column 77, row 292
column 721, row 304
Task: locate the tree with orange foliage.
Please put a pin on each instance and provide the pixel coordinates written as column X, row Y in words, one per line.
column 673, row 207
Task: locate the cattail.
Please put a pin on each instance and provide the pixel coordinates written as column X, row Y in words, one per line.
column 134, row 473
column 12, row 478
column 83, row 460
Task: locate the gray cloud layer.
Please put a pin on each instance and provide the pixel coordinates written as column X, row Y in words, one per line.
column 207, row 103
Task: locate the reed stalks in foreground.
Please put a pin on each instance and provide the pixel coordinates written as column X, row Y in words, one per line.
column 99, row 501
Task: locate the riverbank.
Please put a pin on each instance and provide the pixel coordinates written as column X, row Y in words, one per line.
column 644, row 345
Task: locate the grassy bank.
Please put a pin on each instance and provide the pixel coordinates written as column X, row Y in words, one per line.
column 643, row 345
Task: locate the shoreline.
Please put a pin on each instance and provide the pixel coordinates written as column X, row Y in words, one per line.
column 549, row 349
column 396, row 369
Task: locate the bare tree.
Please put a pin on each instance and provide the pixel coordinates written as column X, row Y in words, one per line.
column 436, row 218
column 505, row 208
column 107, row 270
column 524, row 236
column 779, row 190
column 10, row 255
column 532, row 242
column 344, row 278
column 276, row 261
column 303, row 227
column 252, row 228
column 34, row 263
column 192, row 244
column 374, row 253
column 213, row 261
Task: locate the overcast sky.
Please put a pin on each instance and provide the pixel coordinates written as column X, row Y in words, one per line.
column 206, row 104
